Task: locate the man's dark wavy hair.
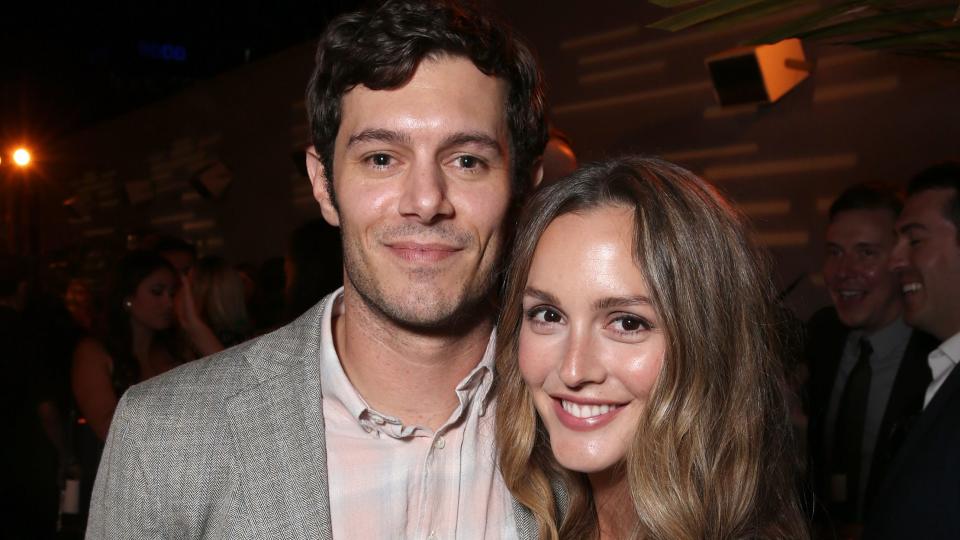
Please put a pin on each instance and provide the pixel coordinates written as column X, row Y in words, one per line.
column 944, row 175
column 382, row 47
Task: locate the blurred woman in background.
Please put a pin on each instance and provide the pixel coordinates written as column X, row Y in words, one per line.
column 211, row 308
column 136, row 344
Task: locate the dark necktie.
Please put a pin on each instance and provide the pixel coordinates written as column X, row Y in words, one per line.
column 848, row 439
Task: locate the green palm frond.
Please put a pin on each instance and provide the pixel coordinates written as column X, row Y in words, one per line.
column 919, row 27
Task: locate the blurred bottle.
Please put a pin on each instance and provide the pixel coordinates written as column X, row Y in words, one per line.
column 70, row 523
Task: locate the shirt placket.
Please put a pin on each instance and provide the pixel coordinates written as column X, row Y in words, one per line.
column 435, row 493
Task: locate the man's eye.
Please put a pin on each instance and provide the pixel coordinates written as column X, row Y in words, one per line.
column 469, row 163
column 380, row 161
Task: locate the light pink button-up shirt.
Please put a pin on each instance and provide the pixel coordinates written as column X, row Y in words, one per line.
column 388, row 480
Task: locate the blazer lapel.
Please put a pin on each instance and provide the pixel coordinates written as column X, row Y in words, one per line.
column 926, row 421
column 277, row 429
column 906, row 398
column 527, row 528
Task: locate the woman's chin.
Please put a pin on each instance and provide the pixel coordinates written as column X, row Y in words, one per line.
column 582, row 460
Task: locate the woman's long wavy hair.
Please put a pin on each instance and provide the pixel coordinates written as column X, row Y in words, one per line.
column 219, row 296
column 713, row 455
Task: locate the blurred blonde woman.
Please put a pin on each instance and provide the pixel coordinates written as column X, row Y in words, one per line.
column 212, row 311
column 638, row 364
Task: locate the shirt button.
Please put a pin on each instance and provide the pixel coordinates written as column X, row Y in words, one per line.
column 439, row 443
column 433, row 534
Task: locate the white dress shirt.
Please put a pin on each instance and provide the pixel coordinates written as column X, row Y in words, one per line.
column 942, row 361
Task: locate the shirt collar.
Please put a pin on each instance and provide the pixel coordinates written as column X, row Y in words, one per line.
column 889, row 338
column 337, row 387
column 950, row 348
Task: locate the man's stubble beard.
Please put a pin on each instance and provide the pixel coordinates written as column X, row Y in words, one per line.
column 448, row 314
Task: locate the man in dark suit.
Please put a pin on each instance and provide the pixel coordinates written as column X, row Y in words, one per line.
column 868, row 369
column 920, row 497
column 31, row 429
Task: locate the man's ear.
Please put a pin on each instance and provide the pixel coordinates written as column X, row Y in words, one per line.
column 318, row 179
column 537, row 174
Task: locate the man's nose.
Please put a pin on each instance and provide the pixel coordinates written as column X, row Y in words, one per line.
column 424, row 194
column 898, row 257
column 848, row 266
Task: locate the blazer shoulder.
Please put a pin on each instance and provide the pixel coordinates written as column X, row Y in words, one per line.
column 824, row 338
column 210, row 380
column 825, row 321
column 921, row 344
column 260, row 358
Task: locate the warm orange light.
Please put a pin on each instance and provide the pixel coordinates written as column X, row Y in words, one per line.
column 21, row 156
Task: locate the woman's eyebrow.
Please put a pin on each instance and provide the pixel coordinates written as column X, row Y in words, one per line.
column 621, row 301
column 543, row 296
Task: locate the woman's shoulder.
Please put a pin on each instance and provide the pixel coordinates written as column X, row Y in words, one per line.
column 91, row 350
column 91, row 362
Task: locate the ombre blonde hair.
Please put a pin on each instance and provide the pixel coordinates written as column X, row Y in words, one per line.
column 713, row 455
column 220, row 300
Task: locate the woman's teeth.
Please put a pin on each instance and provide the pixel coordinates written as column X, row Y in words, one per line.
column 586, row 411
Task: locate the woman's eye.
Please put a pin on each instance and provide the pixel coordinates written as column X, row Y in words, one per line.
column 630, row 323
column 544, row 315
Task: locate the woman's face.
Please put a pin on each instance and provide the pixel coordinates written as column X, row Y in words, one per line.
column 152, row 303
column 591, row 345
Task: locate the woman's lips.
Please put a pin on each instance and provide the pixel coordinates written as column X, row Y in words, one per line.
column 582, row 416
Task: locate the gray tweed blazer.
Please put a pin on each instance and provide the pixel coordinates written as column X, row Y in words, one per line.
column 228, row 447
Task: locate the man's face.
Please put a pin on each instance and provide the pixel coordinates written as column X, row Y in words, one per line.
column 856, row 270
column 927, row 259
column 422, row 183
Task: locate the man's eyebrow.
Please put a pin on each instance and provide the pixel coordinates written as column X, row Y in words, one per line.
column 543, row 296
column 379, row 135
column 621, row 301
column 910, row 227
column 473, row 138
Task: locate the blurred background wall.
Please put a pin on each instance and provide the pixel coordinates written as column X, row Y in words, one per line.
column 614, row 86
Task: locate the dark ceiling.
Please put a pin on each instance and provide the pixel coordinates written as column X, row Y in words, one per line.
column 67, row 65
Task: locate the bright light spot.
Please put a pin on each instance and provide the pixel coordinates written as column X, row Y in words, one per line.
column 21, row 157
